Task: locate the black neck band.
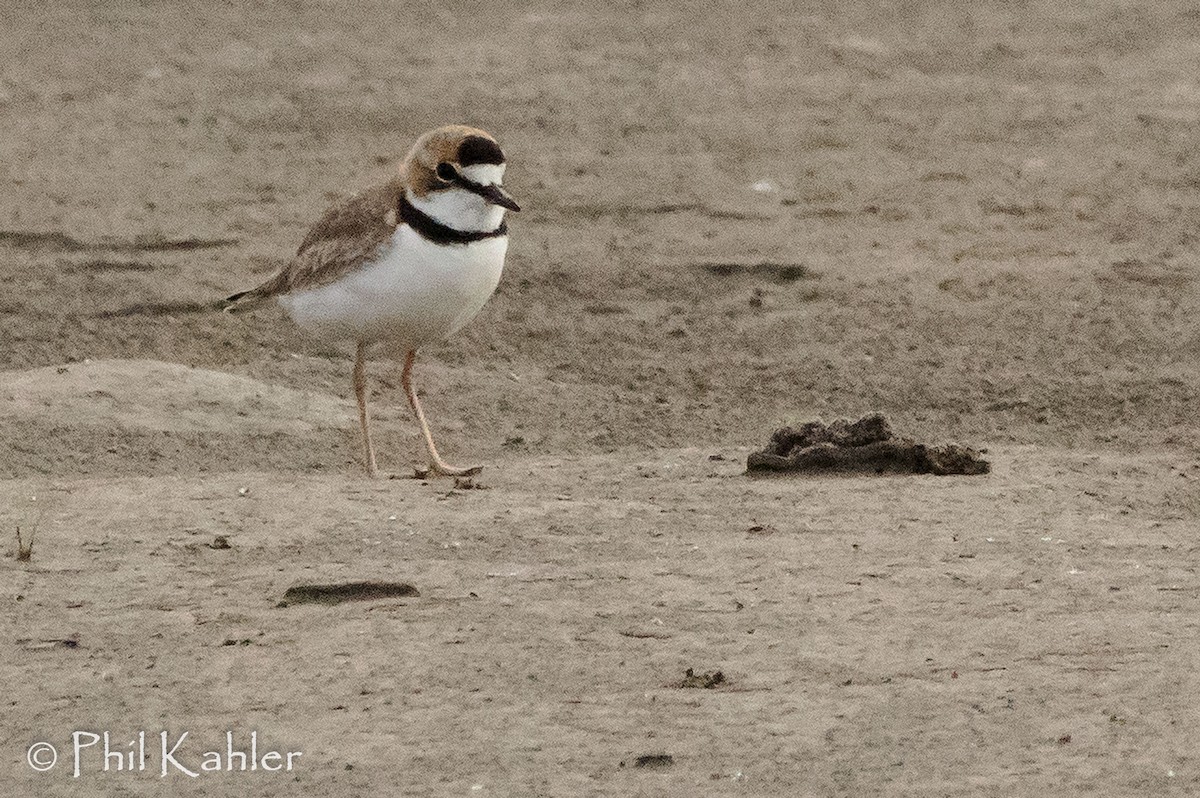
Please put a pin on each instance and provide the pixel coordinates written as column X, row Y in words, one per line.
column 433, row 230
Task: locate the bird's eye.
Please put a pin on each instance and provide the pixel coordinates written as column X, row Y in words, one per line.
column 446, row 172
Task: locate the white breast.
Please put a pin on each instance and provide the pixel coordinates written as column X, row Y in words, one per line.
column 415, row 292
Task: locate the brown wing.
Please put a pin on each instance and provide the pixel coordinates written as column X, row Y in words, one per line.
column 348, row 233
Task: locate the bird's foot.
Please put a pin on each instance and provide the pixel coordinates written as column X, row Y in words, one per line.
column 445, row 470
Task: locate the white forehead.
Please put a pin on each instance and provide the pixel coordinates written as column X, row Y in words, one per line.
column 485, row 174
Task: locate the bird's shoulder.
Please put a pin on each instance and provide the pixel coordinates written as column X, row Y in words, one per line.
column 368, row 216
column 348, row 234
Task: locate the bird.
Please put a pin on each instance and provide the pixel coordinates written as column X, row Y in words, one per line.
column 403, row 263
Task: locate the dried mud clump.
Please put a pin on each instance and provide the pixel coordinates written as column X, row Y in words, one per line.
column 350, row 591
column 653, row 761
column 705, row 681
column 866, row 445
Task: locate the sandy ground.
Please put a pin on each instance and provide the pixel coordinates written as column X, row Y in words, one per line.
column 977, row 218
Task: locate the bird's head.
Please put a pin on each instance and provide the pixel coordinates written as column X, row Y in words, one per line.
column 455, row 174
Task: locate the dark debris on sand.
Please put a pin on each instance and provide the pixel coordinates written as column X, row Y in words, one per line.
column 705, row 681
column 349, row 591
column 866, row 445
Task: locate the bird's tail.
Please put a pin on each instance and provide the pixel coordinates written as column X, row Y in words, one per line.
column 240, row 302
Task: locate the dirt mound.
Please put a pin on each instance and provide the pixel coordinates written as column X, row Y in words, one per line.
column 155, row 395
column 866, row 445
column 147, row 416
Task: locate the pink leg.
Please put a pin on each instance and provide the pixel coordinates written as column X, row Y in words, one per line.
column 436, row 464
column 360, row 392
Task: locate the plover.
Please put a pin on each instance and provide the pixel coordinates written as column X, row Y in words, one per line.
column 403, row 263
